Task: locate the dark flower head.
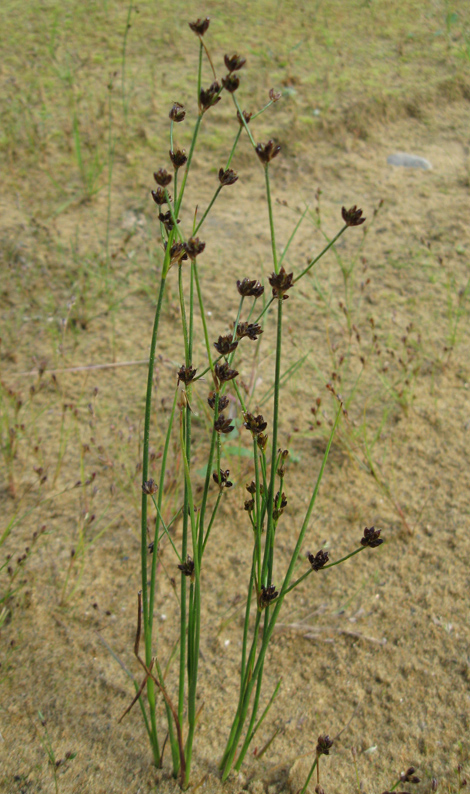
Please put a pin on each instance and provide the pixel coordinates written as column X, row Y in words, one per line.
column 223, row 373
column 209, row 96
column 267, row 595
column 193, row 247
column 318, row 560
column 247, row 116
column 251, row 488
column 223, row 401
column 280, row 502
column 255, row 424
column 324, row 745
column 177, row 112
column 251, row 330
column 200, row 26
column 267, row 152
column 222, row 425
column 167, row 220
column 225, row 345
column 162, row 177
column 227, row 177
column 178, row 158
column 177, row 253
column 149, row 487
column 222, row 479
column 352, row 217
column 281, row 282
column 262, row 441
column 158, row 196
column 371, row 538
column 409, row 776
column 250, row 288
column 187, row 568
column 249, row 505
column 186, row 374
column 234, row 62
column 274, row 96
column 231, row 83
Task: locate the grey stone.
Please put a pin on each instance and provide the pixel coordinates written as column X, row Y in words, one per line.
column 408, row 161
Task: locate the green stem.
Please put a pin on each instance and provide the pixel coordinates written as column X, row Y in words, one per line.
column 312, row 769
column 145, row 470
column 188, row 165
column 271, row 218
column 331, row 565
column 208, row 209
column 315, row 260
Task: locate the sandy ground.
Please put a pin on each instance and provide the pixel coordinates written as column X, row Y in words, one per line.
column 375, row 653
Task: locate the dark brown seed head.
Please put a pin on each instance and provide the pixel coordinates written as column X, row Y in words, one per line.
column 149, row 487
column 318, row 560
column 223, row 401
column 274, row 96
column 251, row 330
column 178, row 158
column 280, row 502
column 250, row 288
column 187, row 568
column 186, row 374
column 409, row 776
column 267, row 595
column 231, row 83
column 167, row 220
column 251, row 487
column 227, row 177
column 177, row 112
column 225, row 345
column 255, row 424
column 371, row 538
column 162, row 177
column 193, row 247
column 158, row 196
column 177, row 253
column 222, row 479
column 223, row 372
column 200, row 26
column 247, row 116
column 234, row 62
column 262, row 441
column 209, row 96
column 267, row 151
column 352, row 217
column 222, row 425
column 324, row 745
column 249, row 505
column 281, row 282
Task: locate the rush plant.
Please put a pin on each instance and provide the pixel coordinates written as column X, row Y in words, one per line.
column 266, row 500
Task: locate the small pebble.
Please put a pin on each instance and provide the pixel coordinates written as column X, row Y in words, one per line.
column 408, row 161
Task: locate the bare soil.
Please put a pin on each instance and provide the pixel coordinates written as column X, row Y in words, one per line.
column 375, row 653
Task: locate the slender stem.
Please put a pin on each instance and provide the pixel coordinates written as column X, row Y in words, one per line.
column 291, row 238
column 312, row 769
column 242, row 118
column 242, row 709
column 331, row 565
column 271, row 218
column 315, row 260
column 188, row 165
column 160, row 500
column 145, row 471
column 208, row 209
column 269, row 547
column 214, row 513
